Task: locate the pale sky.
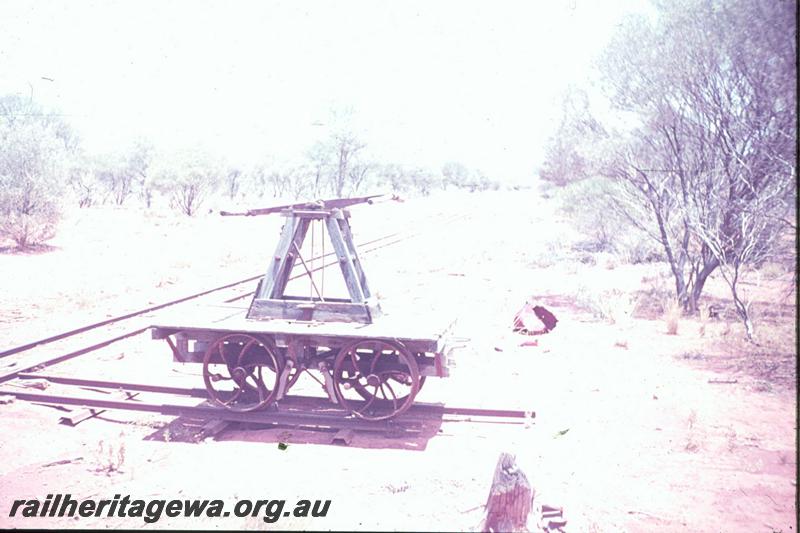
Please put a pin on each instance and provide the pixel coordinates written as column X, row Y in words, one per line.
column 428, row 81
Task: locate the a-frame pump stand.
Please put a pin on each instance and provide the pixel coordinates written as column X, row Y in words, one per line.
column 270, row 302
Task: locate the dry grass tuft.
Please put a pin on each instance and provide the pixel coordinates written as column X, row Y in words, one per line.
column 672, row 317
column 615, row 306
column 110, row 456
column 731, row 440
column 692, row 441
column 705, row 317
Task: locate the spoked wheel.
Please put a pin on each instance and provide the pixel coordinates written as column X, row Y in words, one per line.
column 393, row 380
column 375, row 380
column 241, row 372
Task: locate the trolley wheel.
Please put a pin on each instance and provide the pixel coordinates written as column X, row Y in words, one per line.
column 366, row 395
column 241, row 372
column 375, row 379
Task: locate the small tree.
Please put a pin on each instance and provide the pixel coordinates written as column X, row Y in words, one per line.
column 423, row 180
column 480, row 182
column 82, row 181
column 345, row 147
column 233, row 177
column 650, row 199
column 299, row 183
column 114, row 173
column 36, row 152
column 705, row 154
column 279, row 182
column 359, row 175
column 187, row 179
column 319, row 164
column 455, row 174
column 290, row 181
column 139, row 161
column 569, row 153
column 395, row 176
column 750, row 235
column 256, row 180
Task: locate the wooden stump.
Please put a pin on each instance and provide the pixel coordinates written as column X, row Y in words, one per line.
column 510, row 497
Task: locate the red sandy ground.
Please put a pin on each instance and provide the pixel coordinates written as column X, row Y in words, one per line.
column 631, row 431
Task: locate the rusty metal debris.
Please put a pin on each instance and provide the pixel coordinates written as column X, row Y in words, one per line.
column 534, row 319
column 552, row 519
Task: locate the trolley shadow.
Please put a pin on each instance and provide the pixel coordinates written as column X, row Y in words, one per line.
column 315, row 426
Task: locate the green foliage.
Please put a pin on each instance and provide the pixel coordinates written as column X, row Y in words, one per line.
column 590, row 206
column 83, row 182
column 414, row 179
column 113, row 173
column 571, row 152
column 125, row 173
column 699, row 138
column 457, row 175
column 139, row 161
column 187, row 178
column 36, row 151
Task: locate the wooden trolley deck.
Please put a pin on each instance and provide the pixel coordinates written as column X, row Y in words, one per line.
column 419, row 334
column 420, row 330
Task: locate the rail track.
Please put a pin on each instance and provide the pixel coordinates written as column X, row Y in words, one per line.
column 295, row 411
column 310, row 412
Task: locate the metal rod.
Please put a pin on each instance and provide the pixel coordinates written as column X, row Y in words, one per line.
column 106, row 384
column 322, row 235
column 82, row 351
column 311, row 261
column 339, row 420
column 287, row 402
column 310, row 275
column 84, row 329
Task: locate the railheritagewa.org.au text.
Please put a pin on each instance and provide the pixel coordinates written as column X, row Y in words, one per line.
column 64, row 505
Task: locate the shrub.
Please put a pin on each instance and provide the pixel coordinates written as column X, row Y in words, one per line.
column 35, row 153
column 187, row 179
column 588, row 206
column 614, row 305
column 672, row 317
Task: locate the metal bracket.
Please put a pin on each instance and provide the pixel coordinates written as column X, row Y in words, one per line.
column 284, row 378
column 329, row 386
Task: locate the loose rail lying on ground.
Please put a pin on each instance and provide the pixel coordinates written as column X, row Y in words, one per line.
column 295, row 411
column 84, row 329
column 292, row 401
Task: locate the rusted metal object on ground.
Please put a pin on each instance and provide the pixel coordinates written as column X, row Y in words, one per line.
column 371, row 367
column 534, row 319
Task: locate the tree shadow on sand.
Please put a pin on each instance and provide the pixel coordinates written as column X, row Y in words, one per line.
column 31, row 249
